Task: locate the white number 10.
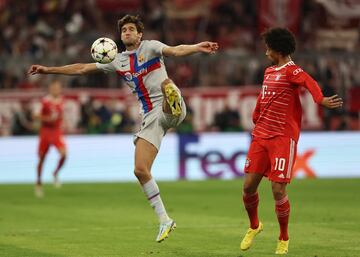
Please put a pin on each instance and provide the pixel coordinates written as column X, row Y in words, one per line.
column 280, row 164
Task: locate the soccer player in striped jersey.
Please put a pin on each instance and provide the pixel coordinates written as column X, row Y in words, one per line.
column 277, row 119
column 162, row 106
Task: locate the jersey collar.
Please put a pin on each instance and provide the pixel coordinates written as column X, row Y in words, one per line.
column 281, row 67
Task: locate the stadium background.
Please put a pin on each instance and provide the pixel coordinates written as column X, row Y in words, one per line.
column 220, row 90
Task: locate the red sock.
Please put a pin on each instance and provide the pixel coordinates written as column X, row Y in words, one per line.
column 282, row 209
column 251, row 203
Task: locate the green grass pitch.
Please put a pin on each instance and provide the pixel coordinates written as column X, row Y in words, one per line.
column 108, row 220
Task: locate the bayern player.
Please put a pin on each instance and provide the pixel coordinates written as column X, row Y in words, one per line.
column 51, row 115
column 277, row 119
column 162, row 106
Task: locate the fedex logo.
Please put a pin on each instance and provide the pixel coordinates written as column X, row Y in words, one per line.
column 211, row 156
column 211, row 162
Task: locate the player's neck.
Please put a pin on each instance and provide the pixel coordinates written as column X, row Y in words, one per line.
column 132, row 47
column 283, row 60
column 54, row 98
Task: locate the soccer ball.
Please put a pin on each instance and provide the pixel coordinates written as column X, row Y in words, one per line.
column 103, row 50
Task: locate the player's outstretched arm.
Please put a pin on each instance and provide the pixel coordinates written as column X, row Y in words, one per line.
column 332, row 102
column 182, row 50
column 71, row 69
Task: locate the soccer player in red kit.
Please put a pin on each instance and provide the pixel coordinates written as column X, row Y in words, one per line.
column 51, row 132
column 277, row 119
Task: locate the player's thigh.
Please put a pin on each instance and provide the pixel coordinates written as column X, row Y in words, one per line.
column 145, row 154
column 60, row 145
column 151, row 129
column 43, row 147
column 257, row 159
column 282, row 152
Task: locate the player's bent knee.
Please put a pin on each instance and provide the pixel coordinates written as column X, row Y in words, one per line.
column 141, row 173
column 249, row 189
column 166, row 81
column 278, row 192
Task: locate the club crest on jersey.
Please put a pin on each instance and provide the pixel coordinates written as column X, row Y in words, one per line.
column 247, row 163
column 141, row 58
column 277, row 77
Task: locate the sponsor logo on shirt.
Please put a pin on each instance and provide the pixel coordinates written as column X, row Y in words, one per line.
column 129, row 76
column 297, row 71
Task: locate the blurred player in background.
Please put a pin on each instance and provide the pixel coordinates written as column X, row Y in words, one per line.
column 162, row 106
column 50, row 116
column 277, row 119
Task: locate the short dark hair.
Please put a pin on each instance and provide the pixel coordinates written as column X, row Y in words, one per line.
column 131, row 19
column 280, row 40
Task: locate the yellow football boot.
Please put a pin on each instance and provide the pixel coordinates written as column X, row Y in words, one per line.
column 282, row 247
column 173, row 98
column 249, row 237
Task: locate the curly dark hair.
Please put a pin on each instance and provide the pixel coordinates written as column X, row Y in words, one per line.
column 131, row 19
column 280, row 40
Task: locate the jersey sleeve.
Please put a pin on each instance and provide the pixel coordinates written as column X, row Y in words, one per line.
column 299, row 77
column 157, row 47
column 107, row 68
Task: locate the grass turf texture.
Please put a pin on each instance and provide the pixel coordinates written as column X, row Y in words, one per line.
column 108, row 220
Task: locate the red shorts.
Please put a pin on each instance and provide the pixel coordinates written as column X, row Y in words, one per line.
column 47, row 140
column 273, row 158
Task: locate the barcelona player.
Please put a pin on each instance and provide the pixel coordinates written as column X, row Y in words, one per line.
column 142, row 68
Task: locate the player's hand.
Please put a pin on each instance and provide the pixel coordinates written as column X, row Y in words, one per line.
column 208, row 47
column 37, row 69
column 332, row 102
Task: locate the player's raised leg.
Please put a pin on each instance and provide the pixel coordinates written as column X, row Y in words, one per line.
column 145, row 154
column 251, row 202
column 42, row 151
column 172, row 98
column 282, row 209
column 63, row 154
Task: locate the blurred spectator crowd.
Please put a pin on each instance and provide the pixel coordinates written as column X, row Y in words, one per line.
column 95, row 117
column 59, row 32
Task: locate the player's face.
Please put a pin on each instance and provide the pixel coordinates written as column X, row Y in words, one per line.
column 55, row 89
column 129, row 34
column 272, row 55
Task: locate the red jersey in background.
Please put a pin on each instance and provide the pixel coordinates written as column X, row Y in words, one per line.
column 278, row 109
column 51, row 131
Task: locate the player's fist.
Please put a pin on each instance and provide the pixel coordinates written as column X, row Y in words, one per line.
column 208, row 47
column 37, row 69
column 332, row 102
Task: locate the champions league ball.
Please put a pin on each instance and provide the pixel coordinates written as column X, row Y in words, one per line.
column 104, row 50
